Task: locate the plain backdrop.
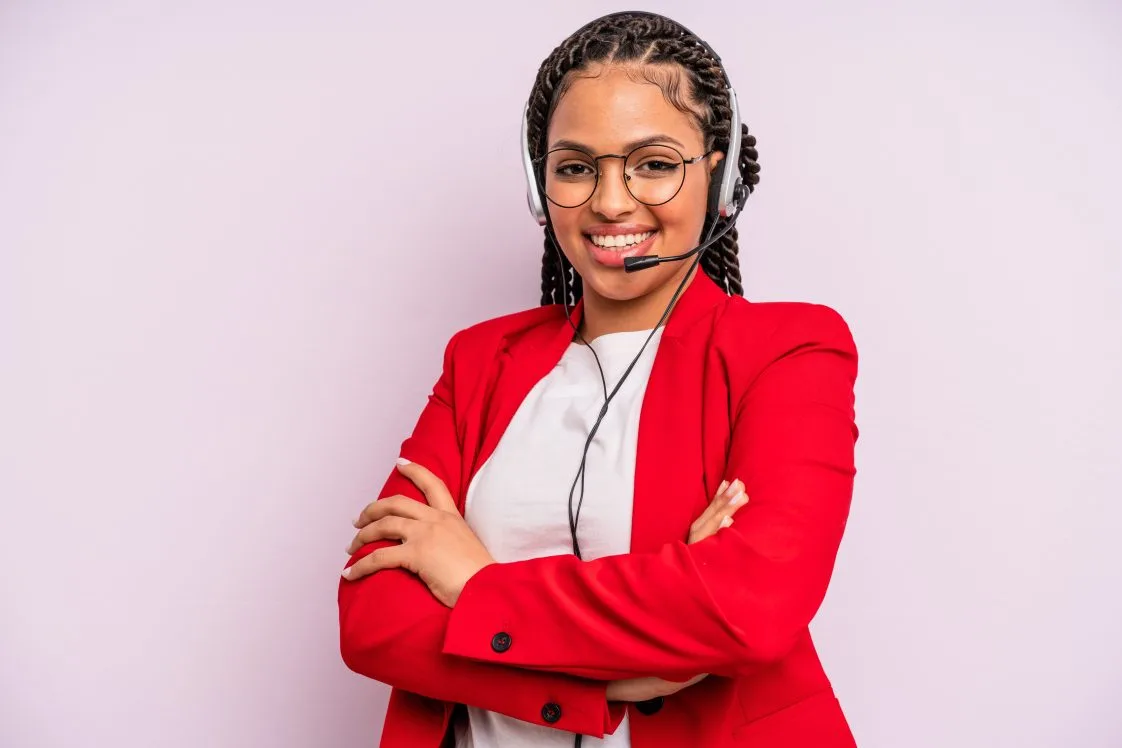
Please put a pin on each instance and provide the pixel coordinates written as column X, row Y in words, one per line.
column 236, row 236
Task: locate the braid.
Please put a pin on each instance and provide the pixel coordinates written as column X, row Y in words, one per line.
column 551, row 276
column 553, row 288
column 726, row 272
column 644, row 39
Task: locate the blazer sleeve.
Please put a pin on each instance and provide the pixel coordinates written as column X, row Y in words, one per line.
column 726, row 605
column 392, row 629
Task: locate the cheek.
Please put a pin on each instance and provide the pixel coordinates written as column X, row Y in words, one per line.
column 564, row 220
column 566, row 225
column 686, row 212
column 681, row 224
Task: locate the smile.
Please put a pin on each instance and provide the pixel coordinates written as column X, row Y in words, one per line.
column 610, row 250
column 621, row 241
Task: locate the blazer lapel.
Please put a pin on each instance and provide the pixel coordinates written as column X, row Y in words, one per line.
column 524, row 357
column 669, row 494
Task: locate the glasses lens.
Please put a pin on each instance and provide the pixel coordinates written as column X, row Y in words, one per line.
column 655, row 174
column 570, row 177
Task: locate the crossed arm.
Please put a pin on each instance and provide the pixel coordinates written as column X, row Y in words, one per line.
column 726, row 605
column 437, row 545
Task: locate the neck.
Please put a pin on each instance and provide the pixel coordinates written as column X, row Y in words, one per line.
column 602, row 315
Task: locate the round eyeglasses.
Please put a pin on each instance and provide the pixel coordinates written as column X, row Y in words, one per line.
column 653, row 174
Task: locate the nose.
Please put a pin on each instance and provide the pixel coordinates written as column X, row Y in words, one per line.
column 611, row 198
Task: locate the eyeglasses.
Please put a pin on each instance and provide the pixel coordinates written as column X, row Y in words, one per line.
column 653, row 174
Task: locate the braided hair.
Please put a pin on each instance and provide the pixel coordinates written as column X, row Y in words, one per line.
column 663, row 50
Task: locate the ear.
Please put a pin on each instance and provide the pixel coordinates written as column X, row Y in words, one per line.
column 716, row 176
column 715, row 159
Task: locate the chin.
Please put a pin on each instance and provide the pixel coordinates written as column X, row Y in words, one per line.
column 604, row 276
column 617, row 285
column 613, row 291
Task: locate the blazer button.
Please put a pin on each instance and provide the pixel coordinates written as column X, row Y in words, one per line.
column 551, row 712
column 500, row 642
column 650, row 706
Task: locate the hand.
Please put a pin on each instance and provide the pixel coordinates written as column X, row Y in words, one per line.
column 718, row 515
column 436, row 543
column 643, row 689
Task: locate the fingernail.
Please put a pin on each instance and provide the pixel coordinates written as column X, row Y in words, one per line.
column 722, row 487
column 403, row 461
column 737, row 500
column 347, row 572
column 726, row 522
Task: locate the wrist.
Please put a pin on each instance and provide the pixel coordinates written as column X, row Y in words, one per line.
column 458, row 593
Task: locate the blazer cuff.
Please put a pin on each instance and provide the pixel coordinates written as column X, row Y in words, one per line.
column 478, row 629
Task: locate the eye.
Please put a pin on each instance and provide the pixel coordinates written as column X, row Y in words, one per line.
column 658, row 166
column 574, row 170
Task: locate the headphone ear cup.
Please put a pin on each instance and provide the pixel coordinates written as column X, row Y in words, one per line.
column 713, row 201
column 534, row 198
column 716, row 179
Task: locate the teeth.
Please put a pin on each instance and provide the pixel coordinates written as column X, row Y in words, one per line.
column 620, row 240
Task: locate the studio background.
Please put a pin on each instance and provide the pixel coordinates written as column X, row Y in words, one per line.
column 235, row 237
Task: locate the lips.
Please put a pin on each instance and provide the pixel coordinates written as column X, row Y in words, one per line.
column 613, row 257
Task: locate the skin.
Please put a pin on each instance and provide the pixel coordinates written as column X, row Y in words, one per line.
column 605, row 113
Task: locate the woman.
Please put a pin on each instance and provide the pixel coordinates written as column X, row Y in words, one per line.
column 542, row 567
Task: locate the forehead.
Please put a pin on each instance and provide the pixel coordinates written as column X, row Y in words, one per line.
column 613, row 107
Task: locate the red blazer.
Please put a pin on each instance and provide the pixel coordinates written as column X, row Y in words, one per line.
column 757, row 391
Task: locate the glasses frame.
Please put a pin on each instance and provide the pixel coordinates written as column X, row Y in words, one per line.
column 540, row 161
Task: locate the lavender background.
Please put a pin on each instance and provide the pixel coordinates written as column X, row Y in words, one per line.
column 235, row 236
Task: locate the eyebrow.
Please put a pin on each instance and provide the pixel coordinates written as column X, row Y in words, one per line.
column 649, row 140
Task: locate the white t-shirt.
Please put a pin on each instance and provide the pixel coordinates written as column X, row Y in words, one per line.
column 517, row 503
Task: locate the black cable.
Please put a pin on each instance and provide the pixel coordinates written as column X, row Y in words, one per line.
column 575, row 517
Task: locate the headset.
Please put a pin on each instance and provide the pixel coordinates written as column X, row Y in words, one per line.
column 728, row 183
column 728, row 193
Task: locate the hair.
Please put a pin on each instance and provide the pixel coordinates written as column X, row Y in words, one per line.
column 659, row 51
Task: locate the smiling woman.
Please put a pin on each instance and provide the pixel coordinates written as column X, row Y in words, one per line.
column 555, row 559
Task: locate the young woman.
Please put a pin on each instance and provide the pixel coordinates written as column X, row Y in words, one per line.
column 544, row 570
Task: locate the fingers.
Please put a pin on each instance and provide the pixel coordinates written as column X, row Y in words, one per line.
column 635, row 689
column 393, row 557
column 669, row 688
column 386, row 528
column 719, row 513
column 401, row 506
column 436, row 493
column 712, row 507
column 373, row 522
column 643, row 689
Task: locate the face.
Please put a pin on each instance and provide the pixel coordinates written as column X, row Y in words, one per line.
column 609, row 113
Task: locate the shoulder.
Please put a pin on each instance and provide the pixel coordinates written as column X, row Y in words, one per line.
column 775, row 328
column 783, row 344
